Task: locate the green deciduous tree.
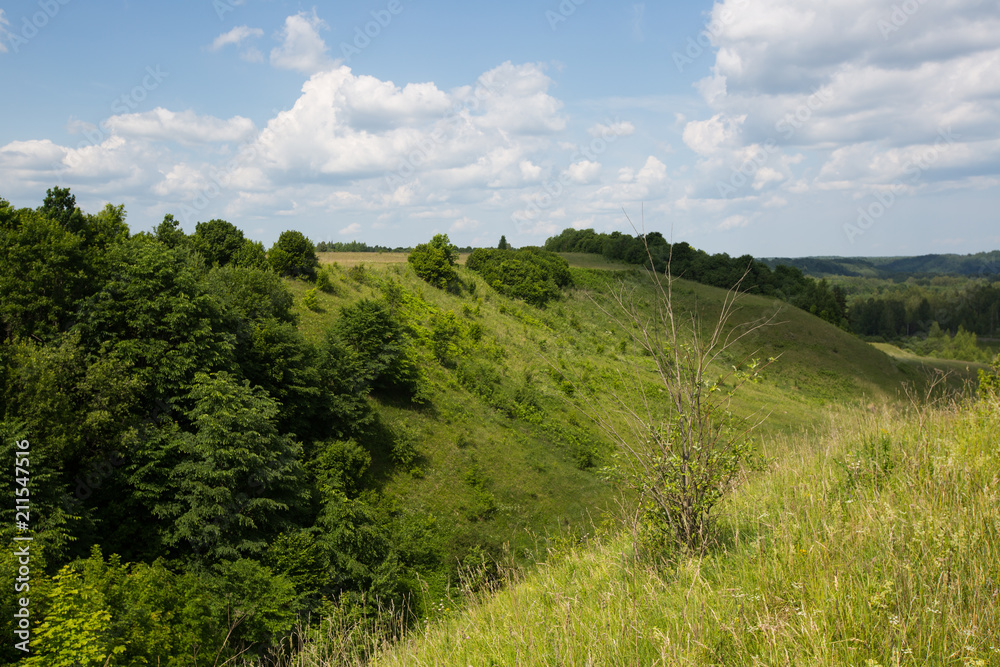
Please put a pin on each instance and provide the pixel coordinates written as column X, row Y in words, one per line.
column 294, row 255
column 237, row 475
column 218, row 241
column 251, row 255
column 435, row 261
column 370, row 329
column 43, row 272
column 76, row 629
column 156, row 314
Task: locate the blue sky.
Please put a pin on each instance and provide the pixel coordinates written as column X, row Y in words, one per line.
column 774, row 127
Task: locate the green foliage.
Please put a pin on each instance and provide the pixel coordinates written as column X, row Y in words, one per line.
column 355, row 246
column 721, row 270
column 218, row 241
column 515, row 400
column 156, row 314
column 170, row 234
column 340, row 465
column 76, row 629
column 261, row 606
column 989, row 382
column 446, row 334
column 43, row 275
column 324, row 283
column 435, row 261
column 293, row 255
column 251, row 255
column 237, row 475
column 251, row 294
column 530, row 274
column 370, row 329
column 503, row 245
column 299, row 558
column 310, row 300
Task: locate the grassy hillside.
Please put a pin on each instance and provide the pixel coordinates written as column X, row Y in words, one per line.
column 504, row 454
column 875, row 541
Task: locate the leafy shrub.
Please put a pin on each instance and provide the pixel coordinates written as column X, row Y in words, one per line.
column 529, row 274
column 294, row 255
column 989, row 382
column 324, row 283
column 370, row 329
column 310, row 300
column 682, row 461
column 341, row 465
column 445, row 335
column 251, row 255
column 435, row 262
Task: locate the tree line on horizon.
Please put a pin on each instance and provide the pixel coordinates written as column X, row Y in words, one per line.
column 719, row 270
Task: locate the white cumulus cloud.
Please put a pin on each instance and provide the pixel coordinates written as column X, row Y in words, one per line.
column 183, row 126
column 302, row 48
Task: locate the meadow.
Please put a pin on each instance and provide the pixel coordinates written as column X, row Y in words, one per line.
column 869, row 538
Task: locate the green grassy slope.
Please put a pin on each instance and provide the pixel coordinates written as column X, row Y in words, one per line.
column 841, row 554
column 493, row 474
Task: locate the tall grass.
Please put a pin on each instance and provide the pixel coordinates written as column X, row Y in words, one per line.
column 872, row 540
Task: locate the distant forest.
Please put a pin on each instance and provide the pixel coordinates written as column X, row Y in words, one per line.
column 361, row 246
column 982, row 264
column 784, row 282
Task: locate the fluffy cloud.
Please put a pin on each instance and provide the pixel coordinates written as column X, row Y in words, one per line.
column 184, row 126
column 816, row 101
column 356, row 126
column 302, row 48
column 235, row 36
column 584, row 171
column 706, row 137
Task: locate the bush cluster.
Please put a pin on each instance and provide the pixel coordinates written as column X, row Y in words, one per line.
column 530, row 274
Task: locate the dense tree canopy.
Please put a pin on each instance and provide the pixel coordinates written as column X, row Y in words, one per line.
column 294, row 255
column 180, row 420
column 531, row 274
